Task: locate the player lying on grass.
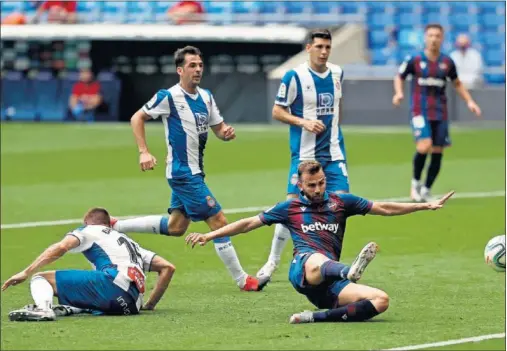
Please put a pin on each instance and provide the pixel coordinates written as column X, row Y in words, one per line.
column 316, row 220
column 115, row 287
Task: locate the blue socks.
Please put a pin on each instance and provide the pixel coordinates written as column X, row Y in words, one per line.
column 332, row 271
column 164, row 225
column 354, row 312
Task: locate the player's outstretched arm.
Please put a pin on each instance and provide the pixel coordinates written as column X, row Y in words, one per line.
column 242, row 226
column 146, row 160
column 399, row 208
column 165, row 272
column 50, row 255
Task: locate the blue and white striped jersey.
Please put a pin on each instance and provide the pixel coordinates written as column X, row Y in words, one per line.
column 105, row 248
column 314, row 96
column 186, row 119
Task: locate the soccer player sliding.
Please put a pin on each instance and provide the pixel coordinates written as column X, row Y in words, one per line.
column 316, row 220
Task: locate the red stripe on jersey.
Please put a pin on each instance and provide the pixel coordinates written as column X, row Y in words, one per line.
column 447, row 62
column 431, row 99
column 416, row 92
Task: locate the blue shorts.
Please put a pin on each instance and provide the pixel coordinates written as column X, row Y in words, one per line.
column 192, row 197
column 438, row 131
column 337, row 178
column 325, row 295
column 96, row 291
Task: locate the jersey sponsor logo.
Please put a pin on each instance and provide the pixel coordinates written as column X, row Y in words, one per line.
column 303, row 208
column 337, row 85
column 282, row 91
column 325, row 104
column 330, row 227
column 201, row 125
column 431, row 82
column 443, row 66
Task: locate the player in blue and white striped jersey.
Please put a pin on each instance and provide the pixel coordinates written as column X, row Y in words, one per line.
column 309, row 100
column 187, row 112
column 116, row 286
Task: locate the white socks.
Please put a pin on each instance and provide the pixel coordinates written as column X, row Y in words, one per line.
column 148, row 224
column 228, row 255
column 280, row 239
column 42, row 292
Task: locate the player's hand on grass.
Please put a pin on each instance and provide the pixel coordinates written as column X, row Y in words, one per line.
column 435, row 205
column 15, row 280
column 397, row 98
column 147, row 161
column 474, row 108
column 194, row 238
column 315, row 127
column 147, row 307
column 229, row 133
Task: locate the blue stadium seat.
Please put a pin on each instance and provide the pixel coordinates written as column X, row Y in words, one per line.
column 494, row 78
column 492, row 21
column 462, row 8
column 494, row 57
column 408, row 21
column 380, row 7
column 140, row 12
column 494, row 40
column 160, row 9
column 408, row 7
column 326, row 7
column 218, row 12
column 491, row 7
column 299, row 7
column 114, row 11
column 410, row 39
column 380, row 20
column 8, row 7
column 435, row 7
column 379, row 57
column 245, row 7
column 378, row 39
column 436, row 17
column 352, row 7
column 89, row 11
column 48, row 104
column 14, row 101
column 272, row 11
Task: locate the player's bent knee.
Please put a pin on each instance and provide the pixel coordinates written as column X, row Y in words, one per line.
column 424, row 147
column 381, row 301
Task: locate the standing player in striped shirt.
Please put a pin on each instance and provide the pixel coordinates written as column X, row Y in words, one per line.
column 430, row 70
column 317, row 220
column 309, row 100
column 187, row 112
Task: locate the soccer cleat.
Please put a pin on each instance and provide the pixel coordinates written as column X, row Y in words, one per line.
column 264, row 274
column 112, row 221
column 303, row 317
column 33, row 314
column 362, row 260
column 252, row 284
column 415, row 191
column 426, row 194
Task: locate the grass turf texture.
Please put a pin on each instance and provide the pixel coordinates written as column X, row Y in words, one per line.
column 431, row 264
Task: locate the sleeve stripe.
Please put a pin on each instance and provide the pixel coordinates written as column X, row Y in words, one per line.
column 149, row 267
column 263, row 219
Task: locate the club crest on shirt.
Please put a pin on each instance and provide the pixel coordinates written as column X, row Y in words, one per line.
column 294, row 179
column 201, row 124
column 337, row 84
column 211, row 201
column 422, row 64
column 282, row 91
column 443, row 66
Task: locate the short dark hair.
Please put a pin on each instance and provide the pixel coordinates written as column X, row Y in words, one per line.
column 318, row 33
column 179, row 55
column 97, row 216
column 311, row 167
column 435, row 26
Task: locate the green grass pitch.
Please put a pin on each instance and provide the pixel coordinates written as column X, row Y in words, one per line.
column 431, row 264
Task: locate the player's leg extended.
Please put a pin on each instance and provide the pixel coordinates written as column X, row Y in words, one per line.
column 282, row 234
column 440, row 139
column 174, row 225
column 225, row 250
column 422, row 135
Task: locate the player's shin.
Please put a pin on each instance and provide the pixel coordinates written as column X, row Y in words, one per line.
column 419, row 161
column 148, row 224
column 227, row 253
column 332, row 271
column 434, row 169
column 354, row 312
column 42, row 292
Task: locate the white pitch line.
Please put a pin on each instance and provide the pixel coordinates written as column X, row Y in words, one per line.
column 450, row 342
column 241, row 210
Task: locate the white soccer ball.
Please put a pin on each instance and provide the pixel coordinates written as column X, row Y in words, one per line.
column 494, row 253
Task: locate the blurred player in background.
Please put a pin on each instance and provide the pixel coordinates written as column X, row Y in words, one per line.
column 115, row 287
column 187, row 112
column 309, row 99
column 316, row 220
column 430, row 70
